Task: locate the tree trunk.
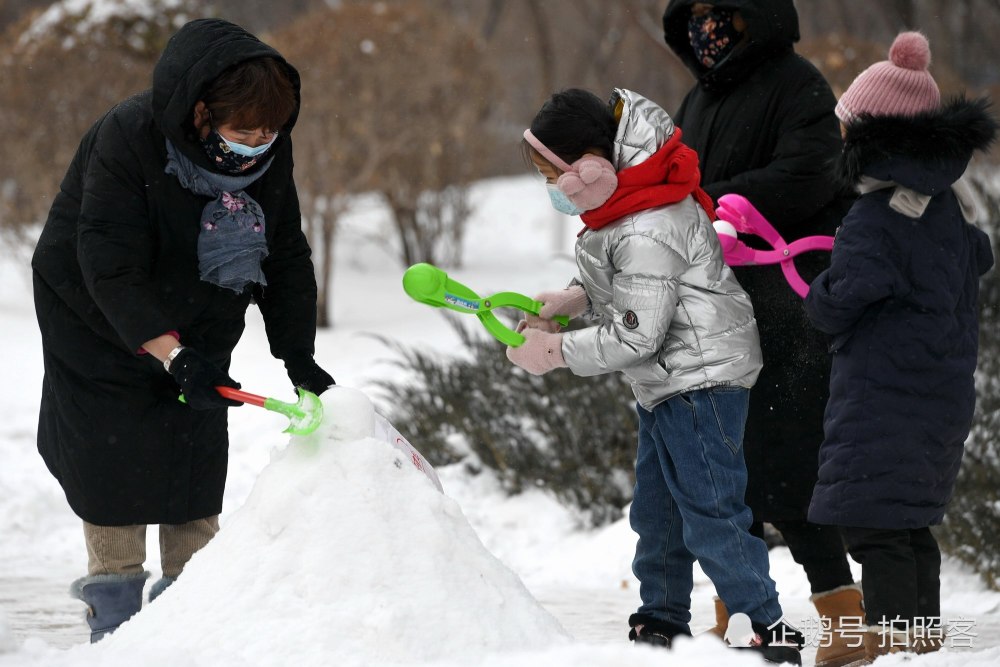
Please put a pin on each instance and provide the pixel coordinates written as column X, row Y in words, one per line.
column 328, row 236
column 404, row 217
column 546, row 57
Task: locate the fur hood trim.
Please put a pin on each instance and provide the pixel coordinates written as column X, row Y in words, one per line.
column 934, row 139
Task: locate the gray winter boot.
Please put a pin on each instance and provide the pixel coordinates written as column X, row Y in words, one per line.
column 111, row 600
column 162, row 584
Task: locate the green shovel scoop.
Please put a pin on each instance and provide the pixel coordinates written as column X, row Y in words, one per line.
column 304, row 416
column 432, row 286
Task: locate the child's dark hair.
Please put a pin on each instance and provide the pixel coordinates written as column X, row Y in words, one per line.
column 573, row 122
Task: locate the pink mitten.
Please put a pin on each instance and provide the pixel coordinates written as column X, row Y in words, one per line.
column 571, row 302
column 535, row 322
column 540, row 353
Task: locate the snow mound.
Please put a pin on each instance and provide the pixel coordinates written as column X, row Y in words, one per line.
column 344, row 553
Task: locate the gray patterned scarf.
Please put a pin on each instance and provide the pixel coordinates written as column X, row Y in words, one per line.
column 231, row 244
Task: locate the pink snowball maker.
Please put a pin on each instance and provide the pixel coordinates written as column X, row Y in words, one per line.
column 738, row 215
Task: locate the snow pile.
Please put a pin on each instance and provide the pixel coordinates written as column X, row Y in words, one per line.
column 343, row 554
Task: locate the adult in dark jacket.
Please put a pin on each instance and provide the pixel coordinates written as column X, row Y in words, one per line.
column 900, row 303
column 178, row 209
column 761, row 119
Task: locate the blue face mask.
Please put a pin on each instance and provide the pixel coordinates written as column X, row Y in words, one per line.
column 560, row 201
column 248, row 151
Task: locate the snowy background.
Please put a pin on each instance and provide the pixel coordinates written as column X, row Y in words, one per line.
column 333, row 549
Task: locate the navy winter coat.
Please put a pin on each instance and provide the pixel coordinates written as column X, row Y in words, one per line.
column 116, row 265
column 899, row 301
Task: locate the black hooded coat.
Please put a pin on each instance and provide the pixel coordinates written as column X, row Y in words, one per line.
column 116, row 266
column 763, row 126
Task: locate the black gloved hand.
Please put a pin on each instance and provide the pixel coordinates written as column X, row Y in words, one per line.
column 198, row 378
column 305, row 372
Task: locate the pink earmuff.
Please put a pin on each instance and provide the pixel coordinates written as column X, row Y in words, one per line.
column 588, row 182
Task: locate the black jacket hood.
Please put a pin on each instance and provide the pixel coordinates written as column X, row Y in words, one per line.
column 926, row 153
column 194, row 57
column 772, row 28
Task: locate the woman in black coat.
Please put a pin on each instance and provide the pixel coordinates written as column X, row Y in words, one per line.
column 761, row 119
column 178, row 209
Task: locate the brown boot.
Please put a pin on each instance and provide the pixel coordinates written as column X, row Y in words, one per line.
column 927, row 639
column 842, row 617
column 721, row 619
column 880, row 641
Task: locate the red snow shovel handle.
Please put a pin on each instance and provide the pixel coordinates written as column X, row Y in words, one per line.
column 242, row 396
column 305, row 415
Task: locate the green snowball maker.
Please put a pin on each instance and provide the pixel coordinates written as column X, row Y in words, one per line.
column 432, row 286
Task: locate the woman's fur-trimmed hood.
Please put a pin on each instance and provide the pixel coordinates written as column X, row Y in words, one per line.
column 926, row 153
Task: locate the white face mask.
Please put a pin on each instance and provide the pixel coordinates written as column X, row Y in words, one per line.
column 560, row 201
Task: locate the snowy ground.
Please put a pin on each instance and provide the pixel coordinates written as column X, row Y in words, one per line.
column 330, row 553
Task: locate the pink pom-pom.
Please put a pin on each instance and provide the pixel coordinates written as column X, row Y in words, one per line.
column 590, row 171
column 571, row 183
column 911, row 50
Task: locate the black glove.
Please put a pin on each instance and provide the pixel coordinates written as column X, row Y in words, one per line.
column 306, row 373
column 198, row 378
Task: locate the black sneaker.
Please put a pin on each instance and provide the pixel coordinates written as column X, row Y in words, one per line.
column 653, row 632
column 640, row 634
column 779, row 644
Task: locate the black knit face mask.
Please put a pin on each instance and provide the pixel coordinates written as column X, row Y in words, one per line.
column 229, row 157
column 713, row 36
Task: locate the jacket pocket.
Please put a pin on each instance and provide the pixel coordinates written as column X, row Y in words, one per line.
column 636, row 303
column 729, row 405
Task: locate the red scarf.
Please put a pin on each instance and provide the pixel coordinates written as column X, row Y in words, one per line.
column 666, row 177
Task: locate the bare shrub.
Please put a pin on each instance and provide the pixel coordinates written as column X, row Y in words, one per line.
column 61, row 71
column 396, row 99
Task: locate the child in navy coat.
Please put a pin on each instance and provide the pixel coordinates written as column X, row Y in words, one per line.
column 900, row 304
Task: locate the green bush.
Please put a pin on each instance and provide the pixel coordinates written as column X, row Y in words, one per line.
column 971, row 529
column 573, row 436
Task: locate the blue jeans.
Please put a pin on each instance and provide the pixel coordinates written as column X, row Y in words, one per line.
column 690, row 478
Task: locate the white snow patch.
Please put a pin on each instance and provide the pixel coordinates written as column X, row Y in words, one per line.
column 88, row 14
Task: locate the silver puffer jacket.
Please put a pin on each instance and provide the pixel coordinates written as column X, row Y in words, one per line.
column 669, row 313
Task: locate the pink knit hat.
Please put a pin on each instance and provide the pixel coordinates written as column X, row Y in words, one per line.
column 900, row 86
